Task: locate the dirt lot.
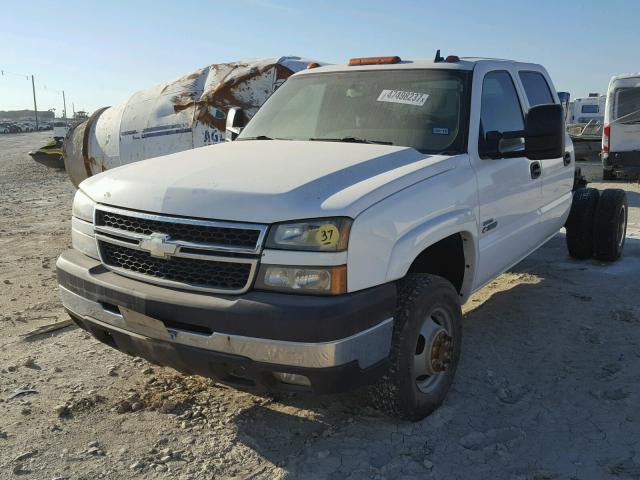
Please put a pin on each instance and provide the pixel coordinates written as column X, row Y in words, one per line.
column 548, row 387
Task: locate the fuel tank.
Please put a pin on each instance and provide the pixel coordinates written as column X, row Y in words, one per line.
column 186, row 113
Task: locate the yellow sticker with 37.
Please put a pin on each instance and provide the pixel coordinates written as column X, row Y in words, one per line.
column 328, row 235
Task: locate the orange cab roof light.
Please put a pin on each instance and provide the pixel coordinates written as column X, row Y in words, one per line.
column 313, row 65
column 354, row 62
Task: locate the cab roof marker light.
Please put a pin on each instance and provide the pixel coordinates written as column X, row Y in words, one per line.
column 354, row 62
column 312, row 65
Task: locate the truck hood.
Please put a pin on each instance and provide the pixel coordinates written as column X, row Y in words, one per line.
column 266, row 181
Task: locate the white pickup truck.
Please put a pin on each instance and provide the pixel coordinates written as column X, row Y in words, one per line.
column 332, row 243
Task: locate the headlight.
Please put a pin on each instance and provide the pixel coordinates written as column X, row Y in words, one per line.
column 309, row 280
column 323, row 234
column 83, row 239
column 83, row 207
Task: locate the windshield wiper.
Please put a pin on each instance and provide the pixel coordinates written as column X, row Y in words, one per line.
column 446, row 152
column 259, row 137
column 350, row 140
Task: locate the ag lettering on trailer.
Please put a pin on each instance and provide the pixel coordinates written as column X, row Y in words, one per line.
column 400, row 96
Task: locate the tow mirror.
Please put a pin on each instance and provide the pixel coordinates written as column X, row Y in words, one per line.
column 235, row 123
column 502, row 145
column 544, row 132
column 491, row 146
column 543, row 136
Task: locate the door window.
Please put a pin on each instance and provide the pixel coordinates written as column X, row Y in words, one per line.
column 500, row 110
column 536, row 88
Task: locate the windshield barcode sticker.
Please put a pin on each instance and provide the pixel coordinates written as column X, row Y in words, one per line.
column 399, row 96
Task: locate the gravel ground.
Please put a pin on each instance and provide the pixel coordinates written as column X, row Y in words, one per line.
column 548, row 386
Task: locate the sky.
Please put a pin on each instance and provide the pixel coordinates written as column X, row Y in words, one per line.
column 100, row 52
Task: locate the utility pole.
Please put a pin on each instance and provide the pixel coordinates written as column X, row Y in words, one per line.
column 73, row 109
column 35, row 106
column 64, row 103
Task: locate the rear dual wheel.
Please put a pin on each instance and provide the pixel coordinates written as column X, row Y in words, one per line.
column 580, row 223
column 610, row 225
column 597, row 224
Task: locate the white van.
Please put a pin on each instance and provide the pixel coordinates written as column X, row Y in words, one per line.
column 60, row 129
column 621, row 133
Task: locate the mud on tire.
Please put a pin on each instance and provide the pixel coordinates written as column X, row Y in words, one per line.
column 580, row 223
column 401, row 392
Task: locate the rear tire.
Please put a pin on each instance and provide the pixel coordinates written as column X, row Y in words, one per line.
column 608, row 174
column 425, row 348
column 610, row 224
column 580, row 223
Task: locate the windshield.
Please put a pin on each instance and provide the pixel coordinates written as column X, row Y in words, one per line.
column 423, row 109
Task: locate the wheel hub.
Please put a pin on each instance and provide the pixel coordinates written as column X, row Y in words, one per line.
column 441, row 352
column 434, row 351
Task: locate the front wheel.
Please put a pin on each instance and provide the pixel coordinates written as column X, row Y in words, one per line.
column 425, row 351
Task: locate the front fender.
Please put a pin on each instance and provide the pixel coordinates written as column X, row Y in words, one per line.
column 388, row 236
column 415, row 241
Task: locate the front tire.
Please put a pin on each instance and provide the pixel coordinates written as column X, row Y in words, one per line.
column 610, row 224
column 425, row 351
column 580, row 223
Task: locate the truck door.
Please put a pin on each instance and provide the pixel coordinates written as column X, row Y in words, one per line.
column 509, row 189
column 557, row 173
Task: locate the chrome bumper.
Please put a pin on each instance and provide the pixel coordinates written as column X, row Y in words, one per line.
column 367, row 347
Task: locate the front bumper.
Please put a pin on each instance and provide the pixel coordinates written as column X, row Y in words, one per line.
column 256, row 339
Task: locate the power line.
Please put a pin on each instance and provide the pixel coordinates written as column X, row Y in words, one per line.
column 41, row 86
column 27, row 77
column 6, row 72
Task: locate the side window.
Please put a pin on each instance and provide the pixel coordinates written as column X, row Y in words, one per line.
column 500, row 109
column 536, row 88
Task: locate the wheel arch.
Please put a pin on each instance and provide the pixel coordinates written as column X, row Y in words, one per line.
column 445, row 246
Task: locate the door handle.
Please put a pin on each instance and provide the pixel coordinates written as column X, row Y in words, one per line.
column 536, row 169
column 567, row 159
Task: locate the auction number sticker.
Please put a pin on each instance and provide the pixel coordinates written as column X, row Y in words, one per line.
column 328, row 235
column 400, row 96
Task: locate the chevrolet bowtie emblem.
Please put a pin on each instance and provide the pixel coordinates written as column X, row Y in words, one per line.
column 158, row 245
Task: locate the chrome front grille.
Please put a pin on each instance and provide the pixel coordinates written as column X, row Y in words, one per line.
column 188, row 231
column 179, row 252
